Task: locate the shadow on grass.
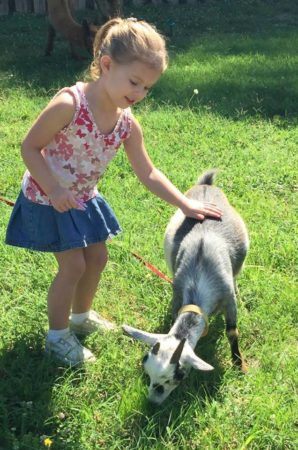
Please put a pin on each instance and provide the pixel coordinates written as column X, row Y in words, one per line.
column 240, row 60
column 238, row 89
column 26, row 391
column 199, row 388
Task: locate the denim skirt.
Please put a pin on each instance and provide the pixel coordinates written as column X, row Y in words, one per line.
column 41, row 227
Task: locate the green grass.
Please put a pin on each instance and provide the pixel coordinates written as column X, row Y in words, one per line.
column 241, row 56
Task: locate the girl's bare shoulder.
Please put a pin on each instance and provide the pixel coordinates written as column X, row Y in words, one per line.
column 61, row 108
column 64, row 99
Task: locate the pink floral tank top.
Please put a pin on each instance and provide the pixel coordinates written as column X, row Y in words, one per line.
column 79, row 154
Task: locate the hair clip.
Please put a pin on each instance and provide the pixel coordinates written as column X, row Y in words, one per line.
column 132, row 19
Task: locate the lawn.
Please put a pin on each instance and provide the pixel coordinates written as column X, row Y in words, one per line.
column 241, row 56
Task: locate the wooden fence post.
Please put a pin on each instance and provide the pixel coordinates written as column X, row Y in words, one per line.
column 79, row 4
column 23, row 6
column 40, row 7
column 4, row 9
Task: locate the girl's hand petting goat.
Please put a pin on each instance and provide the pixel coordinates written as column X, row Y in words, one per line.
column 199, row 210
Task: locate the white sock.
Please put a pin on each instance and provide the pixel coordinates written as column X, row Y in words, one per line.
column 79, row 318
column 55, row 335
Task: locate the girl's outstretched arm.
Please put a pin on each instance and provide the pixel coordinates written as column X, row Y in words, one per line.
column 53, row 118
column 158, row 183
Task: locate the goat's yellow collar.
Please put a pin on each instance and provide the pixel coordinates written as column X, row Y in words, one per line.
column 196, row 309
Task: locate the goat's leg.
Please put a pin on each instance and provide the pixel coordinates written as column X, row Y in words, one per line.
column 232, row 333
column 74, row 54
column 50, row 41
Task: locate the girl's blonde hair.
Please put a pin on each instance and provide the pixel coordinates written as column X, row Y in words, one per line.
column 128, row 40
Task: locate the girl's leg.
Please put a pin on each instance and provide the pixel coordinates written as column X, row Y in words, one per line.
column 95, row 257
column 61, row 293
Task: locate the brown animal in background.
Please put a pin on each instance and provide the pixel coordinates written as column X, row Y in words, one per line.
column 108, row 9
column 62, row 21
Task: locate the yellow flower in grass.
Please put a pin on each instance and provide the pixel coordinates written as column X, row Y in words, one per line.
column 48, row 442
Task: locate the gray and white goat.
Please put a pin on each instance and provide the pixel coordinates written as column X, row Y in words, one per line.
column 204, row 257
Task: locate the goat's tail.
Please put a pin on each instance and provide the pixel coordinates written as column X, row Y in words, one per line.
column 208, row 177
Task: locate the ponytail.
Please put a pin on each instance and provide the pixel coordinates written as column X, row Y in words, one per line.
column 128, row 40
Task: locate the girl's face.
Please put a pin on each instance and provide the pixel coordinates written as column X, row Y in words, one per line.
column 127, row 84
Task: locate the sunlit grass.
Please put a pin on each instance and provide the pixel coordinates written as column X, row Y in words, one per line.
column 241, row 58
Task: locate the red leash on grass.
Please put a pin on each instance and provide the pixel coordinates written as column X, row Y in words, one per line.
column 140, row 258
column 8, row 202
column 152, row 268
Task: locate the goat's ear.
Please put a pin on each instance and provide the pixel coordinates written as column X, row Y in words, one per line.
column 196, row 362
column 144, row 336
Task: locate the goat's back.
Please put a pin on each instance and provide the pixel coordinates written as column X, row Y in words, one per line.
column 214, row 240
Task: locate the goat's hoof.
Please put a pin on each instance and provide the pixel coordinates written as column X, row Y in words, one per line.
column 240, row 364
column 243, row 367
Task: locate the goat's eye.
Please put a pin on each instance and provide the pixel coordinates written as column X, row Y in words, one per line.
column 145, row 358
column 179, row 374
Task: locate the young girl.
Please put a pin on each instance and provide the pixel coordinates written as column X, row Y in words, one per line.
column 66, row 151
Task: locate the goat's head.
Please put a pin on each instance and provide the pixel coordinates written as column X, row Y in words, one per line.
column 167, row 363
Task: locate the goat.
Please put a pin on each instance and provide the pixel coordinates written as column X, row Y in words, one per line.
column 204, row 257
column 61, row 20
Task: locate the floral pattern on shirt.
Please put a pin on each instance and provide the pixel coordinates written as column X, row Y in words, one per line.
column 79, row 154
